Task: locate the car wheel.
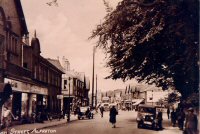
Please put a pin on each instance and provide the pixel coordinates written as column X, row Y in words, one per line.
column 154, row 127
column 138, row 125
column 79, row 118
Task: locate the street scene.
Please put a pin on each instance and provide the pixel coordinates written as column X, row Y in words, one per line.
column 99, row 66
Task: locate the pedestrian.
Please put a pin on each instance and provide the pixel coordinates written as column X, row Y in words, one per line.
column 181, row 119
column 7, row 118
column 191, row 122
column 113, row 113
column 39, row 118
column 173, row 117
column 168, row 112
column 102, row 110
column 159, row 117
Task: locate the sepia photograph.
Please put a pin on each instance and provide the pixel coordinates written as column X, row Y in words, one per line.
column 99, row 67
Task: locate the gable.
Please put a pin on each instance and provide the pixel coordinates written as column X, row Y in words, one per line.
column 14, row 14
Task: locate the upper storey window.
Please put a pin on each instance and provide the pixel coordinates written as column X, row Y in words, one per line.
column 2, row 17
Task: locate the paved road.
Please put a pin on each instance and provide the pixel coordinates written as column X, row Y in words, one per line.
column 126, row 124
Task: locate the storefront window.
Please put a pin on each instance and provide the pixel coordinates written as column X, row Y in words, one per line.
column 34, row 104
column 24, row 104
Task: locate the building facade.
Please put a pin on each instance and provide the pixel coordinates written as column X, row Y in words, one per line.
column 75, row 87
column 35, row 81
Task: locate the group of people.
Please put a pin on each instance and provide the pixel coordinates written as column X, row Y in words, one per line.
column 188, row 121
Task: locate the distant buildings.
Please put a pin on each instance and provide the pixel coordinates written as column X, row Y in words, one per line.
column 132, row 96
column 75, row 87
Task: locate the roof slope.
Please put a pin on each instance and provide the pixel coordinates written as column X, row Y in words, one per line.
column 56, row 63
column 21, row 17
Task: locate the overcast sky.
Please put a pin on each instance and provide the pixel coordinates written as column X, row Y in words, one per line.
column 64, row 31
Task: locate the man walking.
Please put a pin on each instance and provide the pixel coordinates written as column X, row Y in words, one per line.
column 101, row 110
column 113, row 113
column 159, row 117
column 181, row 118
column 168, row 112
column 173, row 117
column 191, row 122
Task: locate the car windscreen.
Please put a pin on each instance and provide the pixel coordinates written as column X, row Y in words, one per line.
column 83, row 109
column 147, row 110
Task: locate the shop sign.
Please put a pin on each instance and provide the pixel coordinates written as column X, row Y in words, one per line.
column 38, row 90
column 60, row 96
column 65, row 92
column 25, row 87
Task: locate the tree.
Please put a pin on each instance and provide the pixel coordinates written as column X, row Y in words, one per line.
column 153, row 41
column 172, row 98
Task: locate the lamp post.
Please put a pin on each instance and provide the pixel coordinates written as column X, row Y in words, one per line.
column 152, row 97
column 68, row 118
column 96, row 93
column 93, row 77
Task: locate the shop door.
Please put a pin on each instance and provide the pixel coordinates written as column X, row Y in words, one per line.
column 17, row 104
column 39, row 107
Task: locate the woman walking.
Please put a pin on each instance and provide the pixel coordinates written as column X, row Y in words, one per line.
column 113, row 113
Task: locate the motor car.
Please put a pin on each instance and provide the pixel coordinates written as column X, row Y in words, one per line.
column 84, row 114
column 105, row 106
column 113, row 104
column 146, row 117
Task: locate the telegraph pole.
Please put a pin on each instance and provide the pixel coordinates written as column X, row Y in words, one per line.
column 93, row 77
column 96, row 93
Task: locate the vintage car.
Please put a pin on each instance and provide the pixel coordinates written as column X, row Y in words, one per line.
column 83, row 113
column 147, row 117
column 106, row 106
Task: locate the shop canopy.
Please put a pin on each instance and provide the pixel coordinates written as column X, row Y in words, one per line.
column 138, row 102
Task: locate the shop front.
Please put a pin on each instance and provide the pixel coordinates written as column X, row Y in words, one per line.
column 27, row 98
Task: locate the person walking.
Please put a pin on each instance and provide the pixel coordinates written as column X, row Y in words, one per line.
column 181, row 119
column 168, row 112
column 191, row 122
column 102, row 110
column 160, row 119
column 7, row 118
column 173, row 117
column 113, row 113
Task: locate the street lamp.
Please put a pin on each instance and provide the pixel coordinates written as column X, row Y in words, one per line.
column 68, row 116
column 152, row 97
column 94, row 49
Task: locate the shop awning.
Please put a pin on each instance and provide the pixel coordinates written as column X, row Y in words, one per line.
column 138, row 102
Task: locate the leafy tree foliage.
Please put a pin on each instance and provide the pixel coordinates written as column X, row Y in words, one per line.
column 154, row 41
column 172, row 98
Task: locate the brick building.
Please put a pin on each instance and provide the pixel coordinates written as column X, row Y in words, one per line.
column 35, row 81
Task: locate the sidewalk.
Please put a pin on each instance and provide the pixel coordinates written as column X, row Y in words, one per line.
column 168, row 128
column 46, row 124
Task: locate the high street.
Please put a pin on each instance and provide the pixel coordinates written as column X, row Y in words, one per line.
column 126, row 124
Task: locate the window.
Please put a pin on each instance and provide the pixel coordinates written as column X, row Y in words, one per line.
column 1, row 19
column 65, row 84
column 25, row 65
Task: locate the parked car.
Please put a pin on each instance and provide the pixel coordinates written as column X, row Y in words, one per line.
column 85, row 112
column 106, row 106
column 147, row 116
column 113, row 104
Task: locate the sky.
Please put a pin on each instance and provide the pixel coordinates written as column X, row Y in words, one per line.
column 64, row 30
